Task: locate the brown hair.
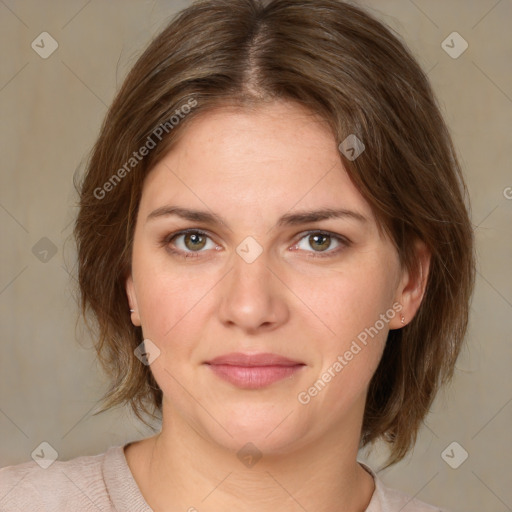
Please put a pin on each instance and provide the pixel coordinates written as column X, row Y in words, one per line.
column 353, row 72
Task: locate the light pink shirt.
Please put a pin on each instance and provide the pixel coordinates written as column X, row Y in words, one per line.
column 104, row 483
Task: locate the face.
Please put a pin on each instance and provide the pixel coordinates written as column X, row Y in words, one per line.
column 270, row 322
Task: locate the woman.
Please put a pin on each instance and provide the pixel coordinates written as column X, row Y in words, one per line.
column 274, row 242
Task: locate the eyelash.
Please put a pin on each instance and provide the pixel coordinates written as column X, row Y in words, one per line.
column 166, row 241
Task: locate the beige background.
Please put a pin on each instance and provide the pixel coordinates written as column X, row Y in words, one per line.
column 51, row 112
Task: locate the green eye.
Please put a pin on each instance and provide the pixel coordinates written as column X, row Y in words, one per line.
column 190, row 243
column 321, row 242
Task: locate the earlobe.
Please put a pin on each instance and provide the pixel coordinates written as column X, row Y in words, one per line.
column 413, row 285
column 132, row 300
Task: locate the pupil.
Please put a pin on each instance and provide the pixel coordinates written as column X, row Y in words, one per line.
column 316, row 238
column 195, row 240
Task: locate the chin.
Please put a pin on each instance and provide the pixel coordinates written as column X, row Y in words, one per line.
column 267, row 428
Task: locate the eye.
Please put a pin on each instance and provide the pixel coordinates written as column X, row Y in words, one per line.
column 191, row 242
column 322, row 242
column 188, row 242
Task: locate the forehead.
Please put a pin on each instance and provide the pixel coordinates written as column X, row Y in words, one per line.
column 276, row 157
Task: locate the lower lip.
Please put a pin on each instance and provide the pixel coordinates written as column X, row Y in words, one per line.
column 253, row 377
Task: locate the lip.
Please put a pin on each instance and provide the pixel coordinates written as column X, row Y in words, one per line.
column 250, row 360
column 253, row 371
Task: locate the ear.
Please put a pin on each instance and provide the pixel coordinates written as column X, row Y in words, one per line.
column 132, row 300
column 412, row 286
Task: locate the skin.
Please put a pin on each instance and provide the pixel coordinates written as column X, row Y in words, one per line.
column 250, row 167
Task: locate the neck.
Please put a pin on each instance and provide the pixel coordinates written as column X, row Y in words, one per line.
column 186, row 470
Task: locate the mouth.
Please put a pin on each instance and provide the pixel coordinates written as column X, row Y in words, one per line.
column 253, row 371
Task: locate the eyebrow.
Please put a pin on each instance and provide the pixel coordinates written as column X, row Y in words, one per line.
column 289, row 219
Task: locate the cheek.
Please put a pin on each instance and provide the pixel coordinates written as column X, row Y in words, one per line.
column 345, row 301
column 172, row 308
column 170, row 304
column 349, row 303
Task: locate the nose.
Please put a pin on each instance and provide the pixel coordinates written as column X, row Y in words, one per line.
column 253, row 298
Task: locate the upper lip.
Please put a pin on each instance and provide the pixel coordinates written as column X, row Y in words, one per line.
column 263, row 359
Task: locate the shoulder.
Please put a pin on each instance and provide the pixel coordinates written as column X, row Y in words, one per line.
column 387, row 499
column 77, row 482
column 395, row 500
